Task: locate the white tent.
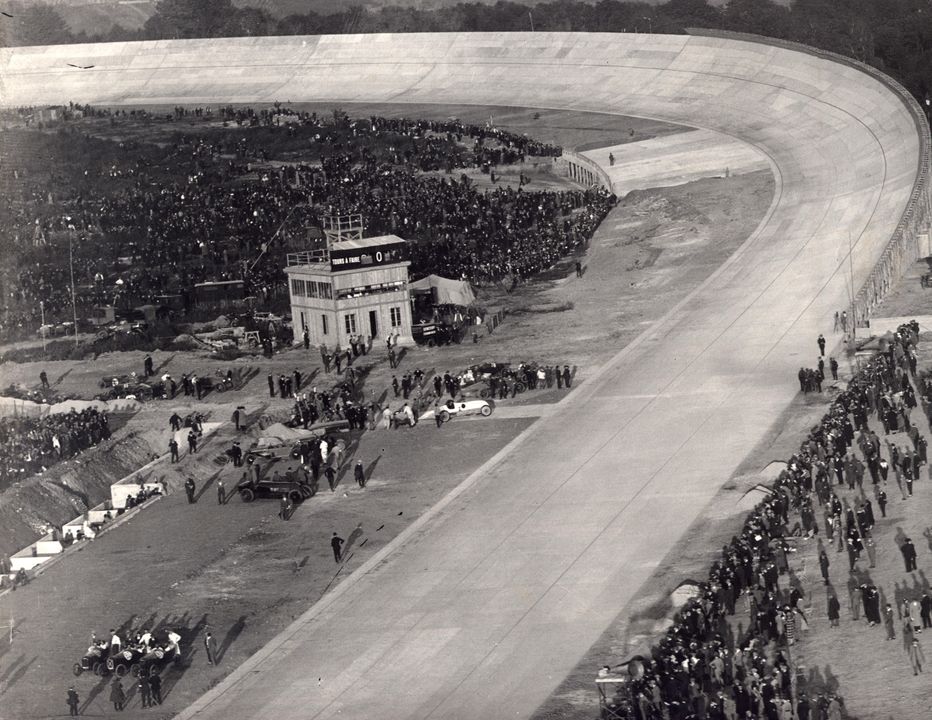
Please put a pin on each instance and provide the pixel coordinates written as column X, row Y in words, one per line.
column 449, row 292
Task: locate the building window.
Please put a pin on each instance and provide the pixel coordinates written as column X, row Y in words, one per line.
column 323, row 319
column 396, row 316
column 350, row 320
column 297, row 288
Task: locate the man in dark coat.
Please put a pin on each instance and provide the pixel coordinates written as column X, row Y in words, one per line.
column 73, row 702
column 189, row 488
column 155, row 685
column 360, row 474
column 117, row 696
column 567, row 377
column 909, row 555
column 145, row 690
column 210, row 649
column 336, row 544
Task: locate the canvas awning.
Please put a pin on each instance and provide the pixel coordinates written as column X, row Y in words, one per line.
column 449, row 292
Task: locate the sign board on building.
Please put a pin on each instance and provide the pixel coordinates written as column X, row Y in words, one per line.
column 353, row 254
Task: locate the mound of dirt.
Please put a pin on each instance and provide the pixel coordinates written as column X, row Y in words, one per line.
column 186, row 342
column 67, row 490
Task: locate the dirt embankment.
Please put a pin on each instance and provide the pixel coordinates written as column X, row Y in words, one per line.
column 65, row 491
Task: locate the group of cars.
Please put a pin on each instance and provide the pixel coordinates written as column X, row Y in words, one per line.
column 140, row 660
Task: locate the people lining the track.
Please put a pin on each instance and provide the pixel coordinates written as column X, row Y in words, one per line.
column 703, row 667
column 29, row 446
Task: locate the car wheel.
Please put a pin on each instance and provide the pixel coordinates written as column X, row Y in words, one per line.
column 520, row 387
column 444, row 416
column 483, row 394
column 295, row 496
column 486, row 410
column 120, row 670
column 247, row 495
column 77, row 669
column 134, row 669
column 306, row 491
column 100, row 669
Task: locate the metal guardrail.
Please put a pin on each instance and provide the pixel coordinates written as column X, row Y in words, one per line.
column 903, row 244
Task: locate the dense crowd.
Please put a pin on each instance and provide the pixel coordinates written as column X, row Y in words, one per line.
column 28, row 445
column 215, row 203
column 701, row 668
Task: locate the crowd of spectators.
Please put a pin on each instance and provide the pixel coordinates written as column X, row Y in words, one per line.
column 703, row 667
column 29, row 446
column 228, row 194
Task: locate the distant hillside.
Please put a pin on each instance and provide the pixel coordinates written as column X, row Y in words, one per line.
column 97, row 16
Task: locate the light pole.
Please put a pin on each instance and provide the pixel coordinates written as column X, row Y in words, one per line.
column 650, row 24
column 42, row 329
column 852, row 342
column 74, row 307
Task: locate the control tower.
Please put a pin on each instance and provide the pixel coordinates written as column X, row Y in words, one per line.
column 350, row 285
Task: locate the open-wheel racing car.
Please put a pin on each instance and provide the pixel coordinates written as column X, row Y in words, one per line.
column 94, row 660
column 122, row 662
column 461, row 407
column 154, row 661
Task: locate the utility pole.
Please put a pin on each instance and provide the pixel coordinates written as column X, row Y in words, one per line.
column 531, row 18
column 74, row 306
column 852, row 344
column 43, row 329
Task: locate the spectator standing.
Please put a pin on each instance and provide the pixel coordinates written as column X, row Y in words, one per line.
column 117, row 695
column 145, row 690
column 73, row 702
column 916, row 656
column 210, row 649
column 360, row 474
column 336, row 544
column 155, row 686
column 189, row 488
column 909, row 554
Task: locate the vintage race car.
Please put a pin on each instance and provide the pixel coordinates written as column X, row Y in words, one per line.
column 456, row 408
column 153, row 662
column 123, row 661
column 94, row 660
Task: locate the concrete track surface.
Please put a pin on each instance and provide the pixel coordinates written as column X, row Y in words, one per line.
column 484, row 605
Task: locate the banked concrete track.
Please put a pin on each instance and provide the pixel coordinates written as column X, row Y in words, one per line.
column 483, row 606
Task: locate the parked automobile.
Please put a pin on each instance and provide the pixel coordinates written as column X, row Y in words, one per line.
column 291, row 484
column 456, row 408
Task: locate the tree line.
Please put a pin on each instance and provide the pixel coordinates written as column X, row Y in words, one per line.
column 893, row 35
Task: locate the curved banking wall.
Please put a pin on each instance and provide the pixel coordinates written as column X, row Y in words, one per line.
column 483, row 605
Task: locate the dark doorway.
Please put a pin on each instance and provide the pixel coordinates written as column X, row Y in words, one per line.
column 373, row 324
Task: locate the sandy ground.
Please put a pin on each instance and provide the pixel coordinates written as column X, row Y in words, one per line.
column 237, row 568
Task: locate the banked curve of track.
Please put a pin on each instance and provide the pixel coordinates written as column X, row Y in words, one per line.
column 480, row 608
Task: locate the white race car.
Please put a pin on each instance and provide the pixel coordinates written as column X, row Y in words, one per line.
column 452, row 408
